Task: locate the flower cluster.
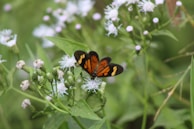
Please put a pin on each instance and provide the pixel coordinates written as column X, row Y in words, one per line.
column 60, row 83
column 57, row 19
column 113, row 21
column 7, row 37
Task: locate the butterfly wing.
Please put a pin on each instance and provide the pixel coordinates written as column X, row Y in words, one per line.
column 103, row 69
column 88, row 61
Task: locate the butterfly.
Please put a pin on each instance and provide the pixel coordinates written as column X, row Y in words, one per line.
column 97, row 68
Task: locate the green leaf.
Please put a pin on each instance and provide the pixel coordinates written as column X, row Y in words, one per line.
column 192, row 92
column 83, row 110
column 172, row 119
column 165, row 33
column 54, row 122
column 68, row 46
column 42, row 55
column 98, row 124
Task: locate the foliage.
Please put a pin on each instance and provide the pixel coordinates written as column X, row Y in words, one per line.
column 42, row 86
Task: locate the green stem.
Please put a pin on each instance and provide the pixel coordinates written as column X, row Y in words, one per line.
column 78, row 122
column 40, row 100
column 29, row 96
column 145, row 93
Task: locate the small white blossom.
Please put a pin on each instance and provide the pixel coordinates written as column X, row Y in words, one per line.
column 25, row 84
column 137, row 47
column 46, row 18
column 7, row 38
column 92, row 84
column 60, row 1
column 78, row 26
column 111, row 12
column 131, row 1
column 118, row 2
column 1, row 60
column 155, row 20
column 178, row 3
column 130, row 8
column 111, row 28
column 84, row 6
column 42, row 31
column 38, row 63
column 129, row 28
column 58, row 29
column 158, row 2
column 25, row 103
column 60, row 87
column 145, row 32
column 7, row 7
column 96, row 16
column 67, row 62
column 146, row 6
column 20, row 64
column 60, row 74
column 49, row 10
column 49, row 98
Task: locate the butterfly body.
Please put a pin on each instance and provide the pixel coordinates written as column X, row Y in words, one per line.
column 97, row 68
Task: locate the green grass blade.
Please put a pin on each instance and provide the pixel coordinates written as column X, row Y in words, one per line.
column 192, row 92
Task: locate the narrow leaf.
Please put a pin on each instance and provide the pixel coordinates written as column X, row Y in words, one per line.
column 192, row 92
column 165, row 33
column 83, row 110
column 68, row 46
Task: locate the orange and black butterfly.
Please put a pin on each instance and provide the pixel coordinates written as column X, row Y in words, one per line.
column 97, row 68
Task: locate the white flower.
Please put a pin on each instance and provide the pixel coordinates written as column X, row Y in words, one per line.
column 158, row 2
column 25, row 84
column 62, row 16
column 47, row 43
column 60, row 74
column 67, row 62
column 131, row 1
column 60, row 87
column 20, row 64
column 1, row 61
column 38, row 63
column 155, row 20
column 84, row 6
column 25, row 103
column 58, row 29
column 46, row 18
column 178, row 3
column 7, row 38
column 118, row 2
column 92, row 84
column 42, row 31
column 111, row 28
column 96, row 16
column 49, row 98
column 129, row 28
column 7, row 7
column 78, row 26
column 145, row 32
column 60, row 1
column 146, row 6
column 137, row 47
column 111, row 12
